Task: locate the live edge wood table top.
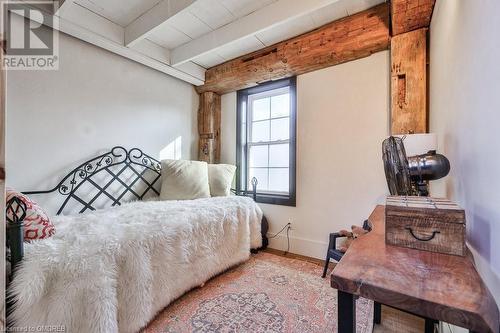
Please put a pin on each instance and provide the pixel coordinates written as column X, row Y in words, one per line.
column 438, row 286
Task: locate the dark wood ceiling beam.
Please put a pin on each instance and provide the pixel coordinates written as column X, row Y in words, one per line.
column 347, row 39
column 409, row 15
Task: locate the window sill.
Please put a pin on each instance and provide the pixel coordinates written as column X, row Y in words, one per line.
column 273, row 199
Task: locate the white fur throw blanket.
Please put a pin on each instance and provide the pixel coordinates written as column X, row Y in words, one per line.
column 112, row 270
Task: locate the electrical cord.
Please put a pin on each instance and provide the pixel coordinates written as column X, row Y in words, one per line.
column 288, row 239
column 279, row 232
column 288, row 226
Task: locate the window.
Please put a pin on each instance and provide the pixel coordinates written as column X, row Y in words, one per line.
column 266, row 141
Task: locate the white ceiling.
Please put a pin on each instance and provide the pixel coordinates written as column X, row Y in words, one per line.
column 122, row 12
column 184, row 37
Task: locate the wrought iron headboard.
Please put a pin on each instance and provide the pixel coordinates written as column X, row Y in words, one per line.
column 117, row 176
column 114, row 185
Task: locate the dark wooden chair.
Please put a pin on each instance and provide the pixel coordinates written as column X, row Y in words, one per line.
column 332, row 252
column 335, row 254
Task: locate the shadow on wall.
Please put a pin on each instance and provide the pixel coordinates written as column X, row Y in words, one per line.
column 173, row 150
column 479, row 231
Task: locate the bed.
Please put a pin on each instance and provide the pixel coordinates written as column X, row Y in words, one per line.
column 127, row 255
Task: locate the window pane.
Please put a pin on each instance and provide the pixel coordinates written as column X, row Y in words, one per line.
column 262, row 179
column 260, row 131
column 243, row 127
column 280, row 129
column 278, row 180
column 280, row 106
column 279, row 155
column 259, row 156
column 261, row 109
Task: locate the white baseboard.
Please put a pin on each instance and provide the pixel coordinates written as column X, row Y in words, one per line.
column 298, row 245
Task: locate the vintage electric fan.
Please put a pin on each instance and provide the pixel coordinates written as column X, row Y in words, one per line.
column 411, row 175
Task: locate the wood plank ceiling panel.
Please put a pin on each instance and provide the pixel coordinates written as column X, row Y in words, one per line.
column 118, row 11
column 287, row 30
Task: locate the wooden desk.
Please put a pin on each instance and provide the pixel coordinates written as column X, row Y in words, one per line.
column 438, row 286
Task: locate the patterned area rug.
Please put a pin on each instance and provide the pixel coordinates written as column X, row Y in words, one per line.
column 268, row 293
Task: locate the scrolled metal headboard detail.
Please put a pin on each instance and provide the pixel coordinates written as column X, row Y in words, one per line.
column 117, row 176
column 141, row 172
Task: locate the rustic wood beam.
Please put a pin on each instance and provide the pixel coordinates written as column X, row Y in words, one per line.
column 409, row 82
column 408, row 15
column 347, row 39
column 209, row 117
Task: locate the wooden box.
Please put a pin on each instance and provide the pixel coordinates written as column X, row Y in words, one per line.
column 424, row 223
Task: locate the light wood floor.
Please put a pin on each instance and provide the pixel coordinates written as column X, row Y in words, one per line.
column 393, row 321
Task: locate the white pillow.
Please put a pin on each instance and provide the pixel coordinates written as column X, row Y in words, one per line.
column 220, row 178
column 184, row 180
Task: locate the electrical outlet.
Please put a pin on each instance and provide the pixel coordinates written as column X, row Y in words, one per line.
column 290, row 223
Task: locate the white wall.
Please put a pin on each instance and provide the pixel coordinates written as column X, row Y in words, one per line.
column 96, row 100
column 342, row 118
column 465, row 111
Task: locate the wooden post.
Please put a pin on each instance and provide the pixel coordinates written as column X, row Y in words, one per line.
column 409, row 82
column 209, row 114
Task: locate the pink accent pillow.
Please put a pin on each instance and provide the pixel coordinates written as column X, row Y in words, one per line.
column 36, row 223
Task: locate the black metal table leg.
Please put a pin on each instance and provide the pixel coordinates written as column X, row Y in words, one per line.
column 377, row 313
column 346, row 308
column 430, row 325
